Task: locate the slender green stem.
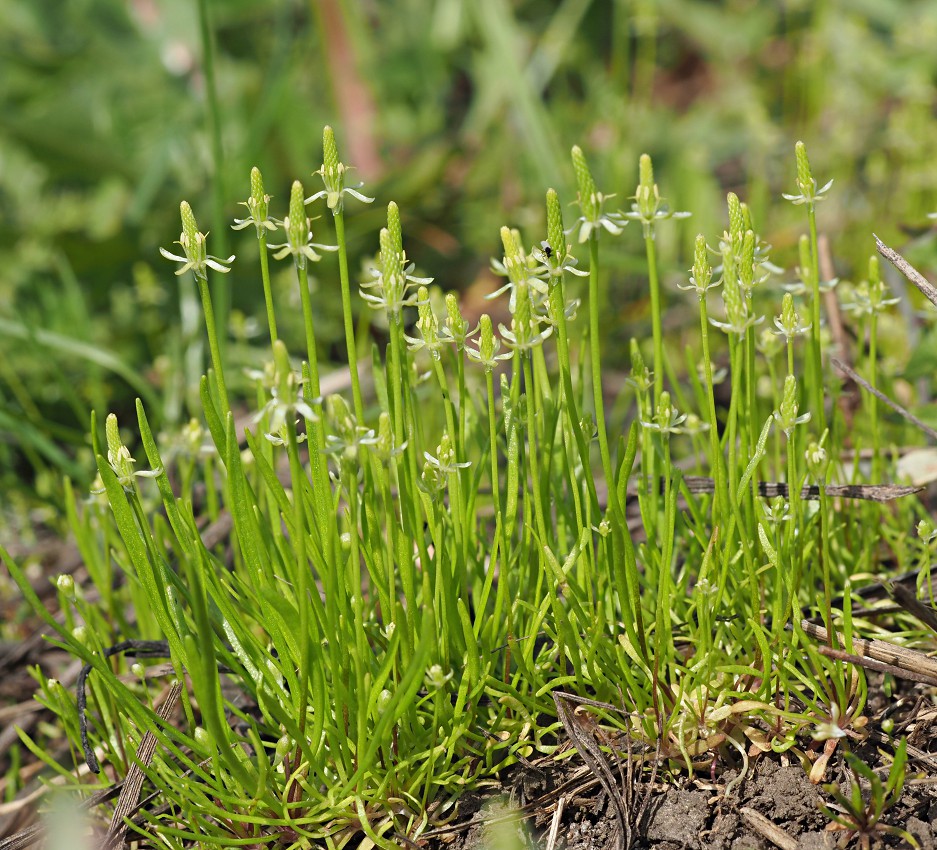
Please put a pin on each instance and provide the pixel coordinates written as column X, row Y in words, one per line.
column 656, row 316
column 458, row 518
column 717, row 460
column 596, row 362
column 505, row 547
column 557, row 309
column 320, row 473
column 213, row 344
column 311, row 355
column 794, row 524
column 268, row 289
column 302, row 571
column 621, row 548
column 824, row 546
column 873, row 399
column 350, row 343
column 214, row 127
column 532, row 449
column 463, row 398
column 816, row 355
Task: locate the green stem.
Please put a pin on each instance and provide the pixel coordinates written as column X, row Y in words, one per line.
column 532, row 458
column 656, row 317
column 720, row 507
column 320, row 474
column 657, row 332
column 268, row 290
column 302, row 571
column 816, row 355
column 793, row 495
column 596, row 362
column 824, row 544
column 873, row 399
column 622, row 547
column 311, row 356
column 503, row 581
column 350, row 343
column 557, row 308
column 213, row 344
column 217, row 150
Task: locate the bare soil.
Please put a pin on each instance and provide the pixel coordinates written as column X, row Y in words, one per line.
column 775, row 805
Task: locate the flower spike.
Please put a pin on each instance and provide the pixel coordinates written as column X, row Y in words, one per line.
column 333, row 174
column 193, row 245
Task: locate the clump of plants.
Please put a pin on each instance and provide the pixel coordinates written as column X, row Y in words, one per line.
column 372, row 599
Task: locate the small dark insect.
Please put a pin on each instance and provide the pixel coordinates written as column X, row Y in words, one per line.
column 547, row 250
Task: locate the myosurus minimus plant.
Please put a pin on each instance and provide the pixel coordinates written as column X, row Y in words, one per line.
column 372, row 600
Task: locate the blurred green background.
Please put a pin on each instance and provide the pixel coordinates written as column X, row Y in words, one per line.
column 463, row 111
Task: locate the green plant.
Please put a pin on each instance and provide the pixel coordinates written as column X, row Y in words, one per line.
column 400, row 583
column 859, row 819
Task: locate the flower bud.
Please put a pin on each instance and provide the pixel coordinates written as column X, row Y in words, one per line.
column 817, row 460
column 384, row 447
column 436, row 678
column 427, row 323
column 66, row 586
column 340, row 416
column 283, row 747
column 926, row 531
column 786, row 415
column 456, row 326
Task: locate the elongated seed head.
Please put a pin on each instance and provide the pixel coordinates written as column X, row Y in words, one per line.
column 299, row 224
column 804, row 175
column 556, row 238
column 329, row 151
column 257, row 194
column 427, row 322
column 646, row 172
column 393, row 226
column 746, row 262
column 746, row 217
column 486, row 340
column 735, row 220
column 702, row 270
column 189, row 226
column 515, row 261
column 588, row 201
column 112, row 433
